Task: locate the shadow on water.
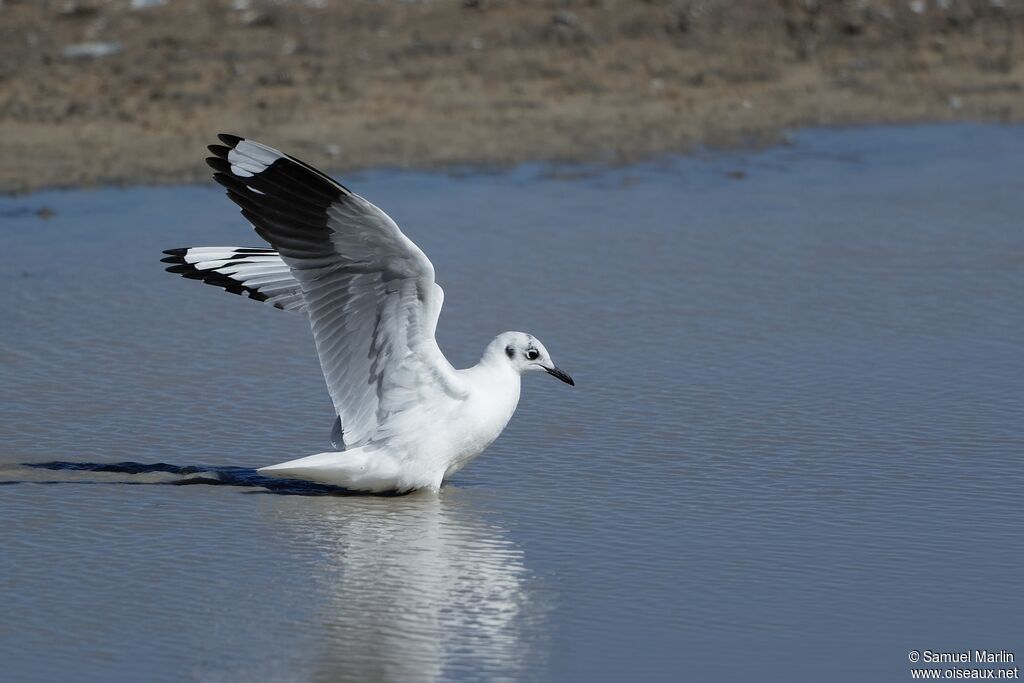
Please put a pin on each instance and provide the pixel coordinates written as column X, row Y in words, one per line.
column 166, row 474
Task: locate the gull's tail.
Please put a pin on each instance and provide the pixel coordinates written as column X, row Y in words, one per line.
column 256, row 272
column 357, row 470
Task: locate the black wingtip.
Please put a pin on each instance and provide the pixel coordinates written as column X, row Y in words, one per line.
column 224, row 180
column 229, row 140
column 219, row 164
column 179, row 266
column 219, row 151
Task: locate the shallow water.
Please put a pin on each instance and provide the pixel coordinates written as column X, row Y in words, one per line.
column 793, row 452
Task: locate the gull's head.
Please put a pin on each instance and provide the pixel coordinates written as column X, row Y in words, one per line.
column 525, row 353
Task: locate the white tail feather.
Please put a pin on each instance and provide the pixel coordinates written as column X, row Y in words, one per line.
column 358, row 470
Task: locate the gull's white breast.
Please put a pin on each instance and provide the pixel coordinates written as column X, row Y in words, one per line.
column 494, row 395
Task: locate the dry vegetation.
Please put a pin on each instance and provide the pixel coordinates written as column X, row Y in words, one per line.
column 361, row 83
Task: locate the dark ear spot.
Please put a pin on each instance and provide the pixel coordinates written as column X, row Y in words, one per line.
column 510, row 352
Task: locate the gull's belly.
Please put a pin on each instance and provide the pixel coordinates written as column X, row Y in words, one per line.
column 449, row 444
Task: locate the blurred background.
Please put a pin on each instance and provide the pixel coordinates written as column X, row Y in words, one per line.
column 129, row 91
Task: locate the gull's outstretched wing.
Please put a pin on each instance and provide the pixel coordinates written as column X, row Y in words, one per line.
column 368, row 290
column 256, row 272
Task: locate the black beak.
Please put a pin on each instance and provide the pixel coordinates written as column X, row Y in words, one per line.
column 561, row 375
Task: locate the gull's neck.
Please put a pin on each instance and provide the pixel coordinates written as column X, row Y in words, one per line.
column 493, row 369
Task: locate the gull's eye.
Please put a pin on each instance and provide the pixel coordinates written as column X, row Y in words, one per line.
column 532, row 354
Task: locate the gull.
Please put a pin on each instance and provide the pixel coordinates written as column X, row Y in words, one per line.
column 406, row 419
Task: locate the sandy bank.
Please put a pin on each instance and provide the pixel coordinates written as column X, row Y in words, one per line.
column 101, row 92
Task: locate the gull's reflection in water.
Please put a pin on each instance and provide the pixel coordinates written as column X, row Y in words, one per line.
column 417, row 588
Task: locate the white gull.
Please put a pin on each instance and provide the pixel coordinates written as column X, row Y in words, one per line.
column 406, row 418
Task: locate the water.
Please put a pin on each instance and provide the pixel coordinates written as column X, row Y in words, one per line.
column 793, row 452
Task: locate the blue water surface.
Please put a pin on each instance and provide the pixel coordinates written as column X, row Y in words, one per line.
column 794, row 451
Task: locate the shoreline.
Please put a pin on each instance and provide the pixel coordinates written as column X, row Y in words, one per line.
column 358, row 86
column 555, row 169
